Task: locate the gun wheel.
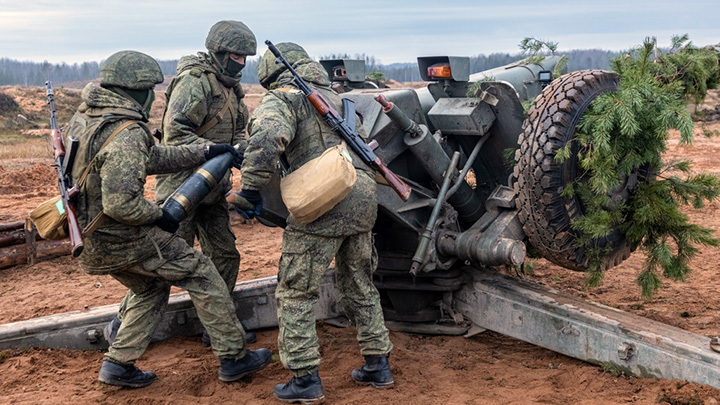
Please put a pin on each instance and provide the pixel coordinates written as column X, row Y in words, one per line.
column 546, row 214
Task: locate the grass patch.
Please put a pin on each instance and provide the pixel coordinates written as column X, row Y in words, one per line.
column 611, row 368
column 19, row 147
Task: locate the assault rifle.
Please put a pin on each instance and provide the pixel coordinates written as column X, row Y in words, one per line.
column 64, row 163
column 346, row 131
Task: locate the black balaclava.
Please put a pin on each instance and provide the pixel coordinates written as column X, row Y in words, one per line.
column 227, row 66
column 142, row 98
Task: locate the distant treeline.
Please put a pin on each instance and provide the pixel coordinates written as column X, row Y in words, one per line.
column 13, row 72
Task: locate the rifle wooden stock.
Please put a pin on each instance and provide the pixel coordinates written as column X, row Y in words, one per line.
column 74, row 231
column 400, row 187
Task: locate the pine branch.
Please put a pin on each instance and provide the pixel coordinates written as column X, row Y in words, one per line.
column 624, row 134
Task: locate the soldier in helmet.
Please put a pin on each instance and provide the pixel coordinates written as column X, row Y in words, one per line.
column 205, row 107
column 286, row 123
column 132, row 239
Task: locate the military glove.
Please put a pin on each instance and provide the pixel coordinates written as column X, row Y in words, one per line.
column 247, row 203
column 167, row 223
column 212, row 151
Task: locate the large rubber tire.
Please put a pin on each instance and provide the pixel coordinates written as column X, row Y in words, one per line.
column 546, row 215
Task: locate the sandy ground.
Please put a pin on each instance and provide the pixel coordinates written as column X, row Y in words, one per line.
column 486, row 369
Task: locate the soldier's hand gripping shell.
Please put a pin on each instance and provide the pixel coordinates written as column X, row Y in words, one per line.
column 247, row 203
column 212, row 151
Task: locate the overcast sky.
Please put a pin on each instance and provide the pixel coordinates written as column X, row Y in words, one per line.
column 392, row 31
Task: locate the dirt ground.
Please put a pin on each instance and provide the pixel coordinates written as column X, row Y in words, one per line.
column 486, row 369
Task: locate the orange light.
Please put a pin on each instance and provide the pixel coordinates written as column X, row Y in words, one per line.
column 439, row 70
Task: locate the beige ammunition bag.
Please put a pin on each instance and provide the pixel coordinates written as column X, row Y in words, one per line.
column 50, row 219
column 319, row 184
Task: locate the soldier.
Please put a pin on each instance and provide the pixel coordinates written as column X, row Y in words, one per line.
column 205, row 107
column 286, row 123
column 132, row 239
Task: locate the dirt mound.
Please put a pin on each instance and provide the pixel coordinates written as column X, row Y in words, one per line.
column 37, row 177
column 7, row 104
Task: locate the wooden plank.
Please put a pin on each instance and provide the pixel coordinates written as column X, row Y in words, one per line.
column 11, row 226
column 45, row 249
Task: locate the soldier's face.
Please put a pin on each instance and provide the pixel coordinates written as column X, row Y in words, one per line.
column 238, row 58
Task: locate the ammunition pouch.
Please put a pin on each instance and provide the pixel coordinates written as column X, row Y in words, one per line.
column 50, row 219
column 318, row 185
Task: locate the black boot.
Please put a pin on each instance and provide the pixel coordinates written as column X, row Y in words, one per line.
column 249, row 338
column 110, row 330
column 375, row 372
column 254, row 360
column 307, row 389
column 125, row 376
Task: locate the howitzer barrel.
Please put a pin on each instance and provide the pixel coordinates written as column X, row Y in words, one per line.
column 524, row 77
column 193, row 190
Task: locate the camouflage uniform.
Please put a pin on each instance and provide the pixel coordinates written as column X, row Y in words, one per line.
column 127, row 245
column 195, row 97
column 285, row 122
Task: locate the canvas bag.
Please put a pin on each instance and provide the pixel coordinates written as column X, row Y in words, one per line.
column 50, row 218
column 318, row 185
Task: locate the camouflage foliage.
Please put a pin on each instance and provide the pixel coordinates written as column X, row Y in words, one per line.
column 132, row 70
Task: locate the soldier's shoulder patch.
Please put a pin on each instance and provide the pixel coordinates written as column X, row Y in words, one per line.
column 197, row 72
column 196, row 113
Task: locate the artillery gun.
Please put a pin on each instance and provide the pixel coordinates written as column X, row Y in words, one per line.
column 469, row 210
column 469, row 205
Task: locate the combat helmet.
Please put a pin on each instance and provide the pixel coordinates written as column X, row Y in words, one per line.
column 268, row 70
column 231, row 36
column 131, row 70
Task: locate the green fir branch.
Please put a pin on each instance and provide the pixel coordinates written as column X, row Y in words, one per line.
column 622, row 136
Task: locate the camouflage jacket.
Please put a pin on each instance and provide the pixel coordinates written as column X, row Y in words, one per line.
column 285, row 122
column 195, row 97
column 115, row 183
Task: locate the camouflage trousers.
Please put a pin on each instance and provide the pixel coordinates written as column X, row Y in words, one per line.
column 149, row 283
column 305, row 258
column 211, row 224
